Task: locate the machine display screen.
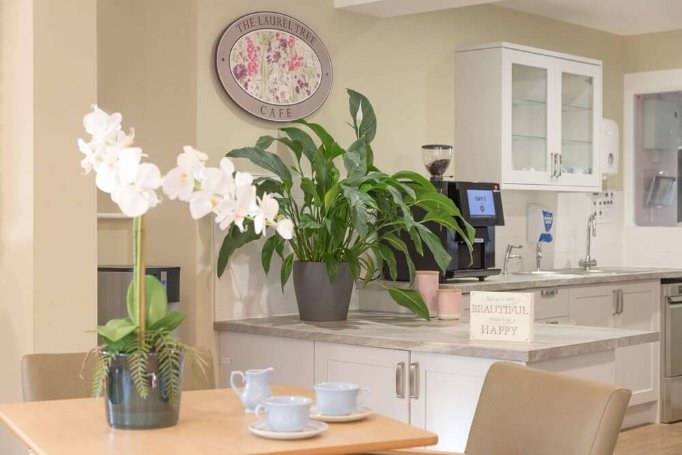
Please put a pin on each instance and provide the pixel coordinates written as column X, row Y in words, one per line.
column 481, row 203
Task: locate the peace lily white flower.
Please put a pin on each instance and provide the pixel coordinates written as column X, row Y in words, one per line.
column 285, row 228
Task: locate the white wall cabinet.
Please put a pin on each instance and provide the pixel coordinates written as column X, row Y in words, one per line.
column 628, row 306
column 527, row 118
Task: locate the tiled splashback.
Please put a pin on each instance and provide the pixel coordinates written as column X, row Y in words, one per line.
column 245, row 291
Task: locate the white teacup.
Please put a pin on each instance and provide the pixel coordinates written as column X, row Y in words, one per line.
column 338, row 398
column 285, row 413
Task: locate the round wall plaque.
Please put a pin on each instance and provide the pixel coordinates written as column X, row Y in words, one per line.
column 274, row 66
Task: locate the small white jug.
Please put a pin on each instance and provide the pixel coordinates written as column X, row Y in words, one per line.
column 256, row 387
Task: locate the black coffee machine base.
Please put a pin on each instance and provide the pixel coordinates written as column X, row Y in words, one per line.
column 481, row 274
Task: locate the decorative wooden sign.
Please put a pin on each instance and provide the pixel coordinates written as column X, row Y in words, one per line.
column 274, row 66
column 501, row 316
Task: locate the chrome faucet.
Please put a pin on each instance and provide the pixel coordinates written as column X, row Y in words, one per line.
column 589, row 261
column 538, row 255
column 508, row 255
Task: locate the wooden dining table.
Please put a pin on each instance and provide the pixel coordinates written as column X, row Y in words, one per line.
column 211, row 422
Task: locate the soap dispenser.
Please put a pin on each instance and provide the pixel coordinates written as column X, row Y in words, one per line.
column 540, row 223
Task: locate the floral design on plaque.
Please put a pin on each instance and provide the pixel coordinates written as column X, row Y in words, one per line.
column 275, row 67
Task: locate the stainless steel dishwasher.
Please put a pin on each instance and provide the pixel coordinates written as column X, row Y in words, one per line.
column 671, row 353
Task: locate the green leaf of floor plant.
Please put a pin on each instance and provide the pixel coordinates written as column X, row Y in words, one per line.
column 287, row 265
column 412, row 300
column 234, row 240
column 266, row 160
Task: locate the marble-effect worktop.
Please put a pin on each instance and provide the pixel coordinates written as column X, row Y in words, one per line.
column 514, row 282
column 393, row 331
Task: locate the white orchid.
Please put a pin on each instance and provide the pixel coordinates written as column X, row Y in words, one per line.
column 132, row 184
column 179, row 182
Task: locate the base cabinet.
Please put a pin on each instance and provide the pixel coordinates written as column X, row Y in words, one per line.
column 627, row 306
column 385, row 372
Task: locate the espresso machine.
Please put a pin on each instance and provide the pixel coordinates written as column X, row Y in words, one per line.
column 481, row 206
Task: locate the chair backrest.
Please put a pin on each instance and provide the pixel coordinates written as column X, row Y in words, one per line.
column 526, row 411
column 58, row 376
column 193, row 378
column 55, row 376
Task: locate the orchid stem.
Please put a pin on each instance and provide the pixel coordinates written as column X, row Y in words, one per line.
column 139, row 272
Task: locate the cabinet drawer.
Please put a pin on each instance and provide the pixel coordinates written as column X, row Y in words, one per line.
column 550, row 303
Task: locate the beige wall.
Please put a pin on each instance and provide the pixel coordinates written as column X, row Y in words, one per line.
column 405, row 65
column 65, row 84
column 16, row 199
column 47, row 227
column 653, row 51
column 147, row 71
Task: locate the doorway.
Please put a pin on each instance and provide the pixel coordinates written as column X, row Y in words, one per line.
column 653, row 148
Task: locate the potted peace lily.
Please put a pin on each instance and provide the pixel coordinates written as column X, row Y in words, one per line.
column 140, row 364
column 347, row 224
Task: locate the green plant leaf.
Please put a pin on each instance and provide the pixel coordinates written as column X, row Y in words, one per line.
column 116, row 329
column 287, row 265
column 326, row 138
column 412, row 300
column 434, row 244
column 266, row 160
column 308, row 147
column 416, row 240
column 358, row 208
column 156, row 300
column 413, row 177
column 389, row 257
column 330, row 195
column 264, row 142
column 308, row 222
column 355, row 158
column 234, row 240
column 169, row 322
column 268, row 250
column 399, row 245
column 368, row 125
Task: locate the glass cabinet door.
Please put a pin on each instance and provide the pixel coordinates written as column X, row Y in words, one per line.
column 580, row 121
column 529, row 118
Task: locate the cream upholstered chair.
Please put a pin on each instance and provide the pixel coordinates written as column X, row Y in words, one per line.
column 57, row 376
column 524, row 411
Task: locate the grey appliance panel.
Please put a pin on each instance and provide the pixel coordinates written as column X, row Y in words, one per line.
column 671, row 400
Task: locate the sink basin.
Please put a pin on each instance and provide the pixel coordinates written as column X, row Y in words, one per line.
column 541, row 272
column 579, row 271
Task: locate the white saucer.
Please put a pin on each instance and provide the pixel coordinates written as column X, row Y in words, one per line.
column 358, row 414
column 313, row 428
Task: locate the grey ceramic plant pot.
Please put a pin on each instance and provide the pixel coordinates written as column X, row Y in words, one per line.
column 317, row 298
column 126, row 409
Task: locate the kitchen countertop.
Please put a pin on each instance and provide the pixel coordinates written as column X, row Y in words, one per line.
column 393, row 331
column 512, row 282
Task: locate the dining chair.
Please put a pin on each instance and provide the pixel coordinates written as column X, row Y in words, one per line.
column 524, row 411
column 58, row 376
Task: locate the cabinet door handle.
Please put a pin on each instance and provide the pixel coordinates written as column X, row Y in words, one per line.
column 400, row 380
column 549, row 292
column 615, row 302
column 561, row 162
column 414, row 380
column 552, row 163
column 620, row 301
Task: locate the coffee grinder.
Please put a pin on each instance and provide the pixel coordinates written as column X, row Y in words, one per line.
column 481, row 206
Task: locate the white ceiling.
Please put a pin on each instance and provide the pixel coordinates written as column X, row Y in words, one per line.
column 623, row 17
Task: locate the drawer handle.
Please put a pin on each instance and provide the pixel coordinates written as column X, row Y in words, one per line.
column 549, row 292
column 414, row 380
column 400, row 380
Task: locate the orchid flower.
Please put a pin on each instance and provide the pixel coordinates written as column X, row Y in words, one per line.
column 132, row 184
